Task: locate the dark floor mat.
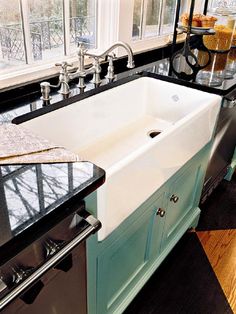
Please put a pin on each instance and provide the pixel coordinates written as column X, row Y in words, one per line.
column 184, row 284
column 219, row 211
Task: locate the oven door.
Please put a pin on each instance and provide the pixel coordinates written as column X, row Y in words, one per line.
column 61, row 291
column 53, row 282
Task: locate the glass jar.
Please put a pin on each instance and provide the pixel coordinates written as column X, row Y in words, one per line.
column 219, row 46
column 213, row 74
column 231, row 60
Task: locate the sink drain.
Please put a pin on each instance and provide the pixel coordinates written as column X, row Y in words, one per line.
column 154, row 133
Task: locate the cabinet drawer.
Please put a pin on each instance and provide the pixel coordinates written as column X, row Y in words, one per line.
column 180, row 201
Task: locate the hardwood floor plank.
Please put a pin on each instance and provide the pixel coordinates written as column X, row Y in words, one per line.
column 220, row 248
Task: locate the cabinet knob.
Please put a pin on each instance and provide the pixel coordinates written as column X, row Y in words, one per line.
column 174, row 198
column 161, row 212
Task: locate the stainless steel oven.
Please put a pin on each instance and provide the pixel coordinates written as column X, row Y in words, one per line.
column 49, row 276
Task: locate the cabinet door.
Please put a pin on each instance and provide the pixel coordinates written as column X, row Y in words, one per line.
column 181, row 199
column 120, row 264
column 157, row 226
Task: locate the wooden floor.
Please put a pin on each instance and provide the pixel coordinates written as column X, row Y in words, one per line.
column 218, row 220
column 220, row 248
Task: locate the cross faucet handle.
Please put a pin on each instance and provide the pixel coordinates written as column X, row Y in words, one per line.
column 64, row 65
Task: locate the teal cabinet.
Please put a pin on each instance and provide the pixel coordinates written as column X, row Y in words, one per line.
column 121, row 262
column 117, row 264
column 120, row 265
column 181, row 199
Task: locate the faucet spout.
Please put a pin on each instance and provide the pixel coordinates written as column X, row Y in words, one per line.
column 130, row 62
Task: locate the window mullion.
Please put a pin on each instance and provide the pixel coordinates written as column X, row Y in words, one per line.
column 143, row 18
column 66, row 26
column 26, row 30
column 107, row 32
column 161, row 16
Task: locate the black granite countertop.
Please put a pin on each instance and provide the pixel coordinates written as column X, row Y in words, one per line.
column 33, row 198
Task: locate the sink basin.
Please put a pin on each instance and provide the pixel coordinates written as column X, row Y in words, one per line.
column 112, row 129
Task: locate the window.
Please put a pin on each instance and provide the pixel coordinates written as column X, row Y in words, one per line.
column 42, row 30
column 169, row 7
column 152, row 18
column 146, row 18
column 11, row 35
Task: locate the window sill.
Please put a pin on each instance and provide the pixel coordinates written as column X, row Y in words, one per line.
column 31, row 74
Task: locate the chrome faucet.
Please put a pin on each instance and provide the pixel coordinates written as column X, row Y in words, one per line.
column 63, row 82
column 63, row 78
column 81, row 72
column 96, row 68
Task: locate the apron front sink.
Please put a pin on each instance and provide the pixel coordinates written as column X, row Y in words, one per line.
column 111, row 129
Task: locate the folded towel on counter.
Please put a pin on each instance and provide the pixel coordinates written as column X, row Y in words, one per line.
column 20, row 146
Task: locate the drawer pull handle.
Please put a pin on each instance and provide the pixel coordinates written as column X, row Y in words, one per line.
column 174, row 198
column 161, row 212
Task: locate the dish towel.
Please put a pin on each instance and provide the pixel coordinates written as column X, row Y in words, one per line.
column 20, row 146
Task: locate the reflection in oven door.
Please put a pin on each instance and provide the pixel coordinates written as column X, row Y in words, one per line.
column 62, row 290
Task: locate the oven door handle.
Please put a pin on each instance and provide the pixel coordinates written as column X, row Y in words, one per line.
column 95, row 224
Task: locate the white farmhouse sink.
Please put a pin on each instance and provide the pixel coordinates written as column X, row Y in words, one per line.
column 111, row 130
